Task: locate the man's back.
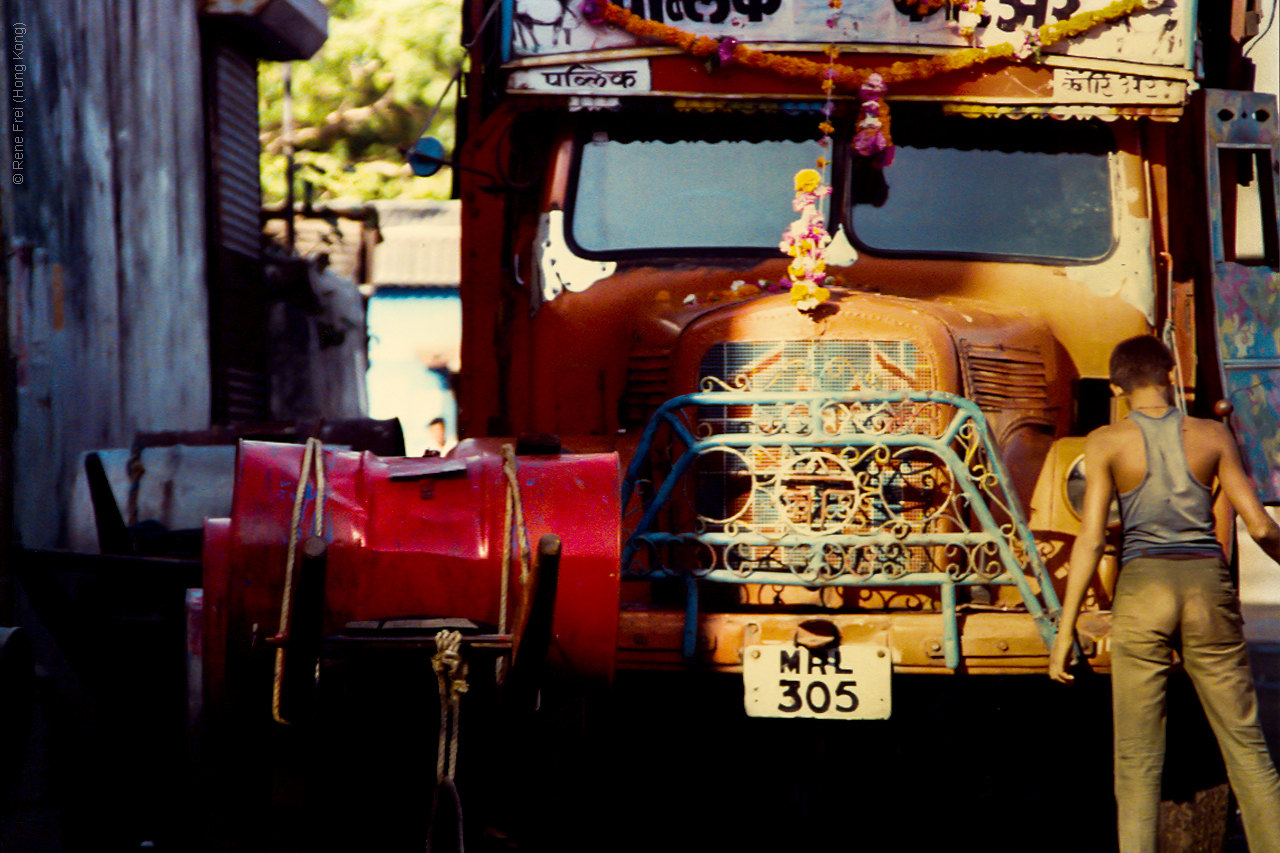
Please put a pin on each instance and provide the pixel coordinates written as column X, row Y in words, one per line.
column 1174, row 596
column 1121, row 446
column 1171, row 592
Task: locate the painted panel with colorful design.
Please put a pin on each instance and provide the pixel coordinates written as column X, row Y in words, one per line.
column 1158, row 33
column 1242, row 163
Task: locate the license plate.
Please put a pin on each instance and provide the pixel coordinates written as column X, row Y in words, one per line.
column 849, row 682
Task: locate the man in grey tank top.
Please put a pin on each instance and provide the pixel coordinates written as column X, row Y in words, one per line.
column 1174, row 593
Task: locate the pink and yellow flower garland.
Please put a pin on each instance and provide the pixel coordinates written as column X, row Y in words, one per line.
column 603, row 11
column 806, row 242
column 807, row 238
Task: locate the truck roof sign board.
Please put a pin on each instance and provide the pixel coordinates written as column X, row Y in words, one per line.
column 1158, row 36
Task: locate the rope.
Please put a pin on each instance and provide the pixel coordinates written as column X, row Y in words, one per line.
column 513, row 528
column 312, row 458
column 451, row 679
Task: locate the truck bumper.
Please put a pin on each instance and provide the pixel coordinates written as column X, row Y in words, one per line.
column 993, row 642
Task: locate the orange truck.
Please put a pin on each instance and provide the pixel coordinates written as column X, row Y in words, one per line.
column 883, row 461
column 783, row 325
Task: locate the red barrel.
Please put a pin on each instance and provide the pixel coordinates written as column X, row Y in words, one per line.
column 412, row 538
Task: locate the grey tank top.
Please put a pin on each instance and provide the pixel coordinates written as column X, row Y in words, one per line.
column 1170, row 512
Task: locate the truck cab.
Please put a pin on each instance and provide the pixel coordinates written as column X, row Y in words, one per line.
column 899, row 465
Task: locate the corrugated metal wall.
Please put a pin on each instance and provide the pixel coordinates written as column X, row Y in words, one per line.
column 108, row 313
column 241, row 389
column 234, row 149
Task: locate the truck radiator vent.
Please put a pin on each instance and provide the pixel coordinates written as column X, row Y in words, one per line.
column 646, row 387
column 825, row 365
column 782, row 485
column 1004, row 378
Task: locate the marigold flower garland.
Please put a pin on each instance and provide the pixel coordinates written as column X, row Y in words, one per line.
column 872, row 139
column 731, row 50
column 806, row 240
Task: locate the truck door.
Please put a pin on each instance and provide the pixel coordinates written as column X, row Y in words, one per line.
column 1241, row 167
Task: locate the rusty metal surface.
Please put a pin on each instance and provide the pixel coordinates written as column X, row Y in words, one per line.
column 991, row 642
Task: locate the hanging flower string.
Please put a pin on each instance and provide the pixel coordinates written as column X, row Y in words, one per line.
column 807, row 239
column 828, row 109
column 828, row 90
column 806, row 242
column 872, row 136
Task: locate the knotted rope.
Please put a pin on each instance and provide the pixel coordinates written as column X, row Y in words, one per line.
column 447, row 662
column 451, row 679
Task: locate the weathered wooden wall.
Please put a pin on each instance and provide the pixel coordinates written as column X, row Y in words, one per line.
column 105, row 234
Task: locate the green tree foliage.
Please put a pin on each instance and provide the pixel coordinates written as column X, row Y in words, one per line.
column 363, row 100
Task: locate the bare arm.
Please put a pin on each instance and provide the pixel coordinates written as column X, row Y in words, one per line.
column 1086, row 552
column 1239, row 489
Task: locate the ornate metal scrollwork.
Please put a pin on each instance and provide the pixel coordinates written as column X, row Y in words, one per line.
column 824, row 488
column 872, row 489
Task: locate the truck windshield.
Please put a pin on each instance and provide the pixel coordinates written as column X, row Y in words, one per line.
column 1033, row 189
column 639, row 192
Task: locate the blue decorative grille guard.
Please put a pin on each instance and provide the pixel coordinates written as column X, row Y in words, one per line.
column 968, row 529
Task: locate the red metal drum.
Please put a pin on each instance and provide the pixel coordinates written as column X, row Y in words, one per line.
column 414, row 537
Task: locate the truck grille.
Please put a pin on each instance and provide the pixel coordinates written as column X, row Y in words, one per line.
column 836, row 366
column 780, row 487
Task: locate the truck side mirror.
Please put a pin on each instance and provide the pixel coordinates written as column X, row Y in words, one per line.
column 427, row 156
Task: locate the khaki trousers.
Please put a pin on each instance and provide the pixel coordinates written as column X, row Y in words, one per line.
column 1190, row 604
